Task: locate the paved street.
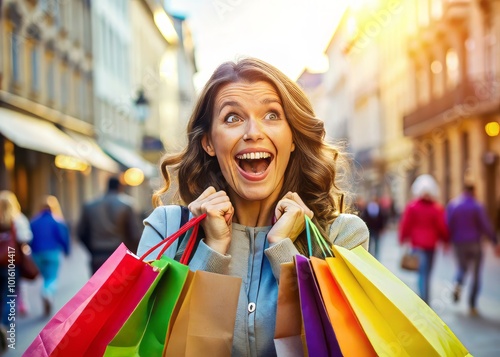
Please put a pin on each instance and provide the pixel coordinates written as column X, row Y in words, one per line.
column 481, row 335
column 74, row 273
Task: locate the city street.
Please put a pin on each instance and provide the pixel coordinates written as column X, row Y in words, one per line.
column 479, row 334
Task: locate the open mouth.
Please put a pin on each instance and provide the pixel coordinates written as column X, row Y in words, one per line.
column 254, row 163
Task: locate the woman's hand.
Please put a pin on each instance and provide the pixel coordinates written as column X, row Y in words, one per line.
column 290, row 221
column 217, row 225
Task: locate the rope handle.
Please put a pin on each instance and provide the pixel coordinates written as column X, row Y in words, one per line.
column 167, row 242
column 320, row 240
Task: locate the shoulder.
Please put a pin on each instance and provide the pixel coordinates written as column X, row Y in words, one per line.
column 349, row 231
column 159, row 218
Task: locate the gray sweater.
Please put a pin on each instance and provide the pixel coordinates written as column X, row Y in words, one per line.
column 258, row 264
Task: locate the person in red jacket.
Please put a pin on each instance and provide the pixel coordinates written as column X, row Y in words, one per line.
column 424, row 225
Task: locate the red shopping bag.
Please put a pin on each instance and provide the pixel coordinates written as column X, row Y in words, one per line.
column 108, row 297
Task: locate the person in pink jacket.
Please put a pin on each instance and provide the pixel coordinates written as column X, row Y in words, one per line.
column 424, row 225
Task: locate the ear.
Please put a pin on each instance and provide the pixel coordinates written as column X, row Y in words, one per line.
column 293, row 147
column 207, row 145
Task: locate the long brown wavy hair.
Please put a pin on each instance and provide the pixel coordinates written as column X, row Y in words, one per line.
column 314, row 166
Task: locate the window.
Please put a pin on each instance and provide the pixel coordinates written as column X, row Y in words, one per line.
column 447, row 173
column 35, row 65
column 465, row 152
column 436, row 9
column 423, row 12
column 50, row 79
column 437, row 78
column 15, row 54
column 64, row 87
column 432, row 160
column 422, row 80
column 452, row 69
column 82, row 98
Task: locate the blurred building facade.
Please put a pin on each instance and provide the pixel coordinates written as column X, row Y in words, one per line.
column 47, row 136
column 162, row 76
column 88, row 90
column 421, row 79
column 454, row 51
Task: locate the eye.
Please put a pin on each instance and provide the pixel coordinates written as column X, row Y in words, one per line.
column 232, row 118
column 272, row 116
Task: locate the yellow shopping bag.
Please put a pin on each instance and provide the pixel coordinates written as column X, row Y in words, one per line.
column 396, row 321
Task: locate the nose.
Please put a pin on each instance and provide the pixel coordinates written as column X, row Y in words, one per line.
column 253, row 130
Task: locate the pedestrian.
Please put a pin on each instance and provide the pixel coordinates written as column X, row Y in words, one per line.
column 50, row 240
column 107, row 222
column 375, row 219
column 14, row 227
column 423, row 224
column 256, row 163
column 23, row 235
column 468, row 222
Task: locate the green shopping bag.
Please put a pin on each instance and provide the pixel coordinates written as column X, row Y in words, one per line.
column 143, row 334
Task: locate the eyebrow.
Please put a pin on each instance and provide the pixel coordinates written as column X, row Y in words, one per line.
column 232, row 103
column 270, row 100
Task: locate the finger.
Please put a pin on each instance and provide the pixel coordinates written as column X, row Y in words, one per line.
column 286, row 205
column 208, row 195
column 295, row 197
column 217, row 207
column 209, row 191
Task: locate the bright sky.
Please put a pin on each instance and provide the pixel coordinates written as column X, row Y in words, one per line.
column 289, row 34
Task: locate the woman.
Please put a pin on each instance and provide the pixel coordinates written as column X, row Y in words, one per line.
column 14, row 227
column 23, row 234
column 50, row 238
column 256, row 164
column 424, row 224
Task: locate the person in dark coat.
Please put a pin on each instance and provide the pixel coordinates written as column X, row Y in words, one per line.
column 375, row 219
column 468, row 223
column 107, row 222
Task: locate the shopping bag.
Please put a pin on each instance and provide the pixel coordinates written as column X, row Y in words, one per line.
column 320, row 337
column 109, row 296
column 144, row 332
column 289, row 337
column 205, row 322
column 395, row 319
column 27, row 267
column 350, row 335
column 410, row 260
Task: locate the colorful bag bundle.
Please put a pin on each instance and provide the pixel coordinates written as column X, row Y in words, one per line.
column 370, row 311
column 131, row 307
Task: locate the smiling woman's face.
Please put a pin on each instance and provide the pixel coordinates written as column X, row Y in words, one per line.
column 251, row 138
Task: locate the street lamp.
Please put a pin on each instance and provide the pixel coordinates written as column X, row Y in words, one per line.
column 141, row 106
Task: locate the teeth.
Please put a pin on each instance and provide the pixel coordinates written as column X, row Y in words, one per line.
column 254, row 156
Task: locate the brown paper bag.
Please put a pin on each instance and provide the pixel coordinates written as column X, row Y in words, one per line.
column 289, row 336
column 205, row 322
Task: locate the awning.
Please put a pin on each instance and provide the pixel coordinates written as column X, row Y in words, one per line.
column 130, row 158
column 88, row 148
column 36, row 134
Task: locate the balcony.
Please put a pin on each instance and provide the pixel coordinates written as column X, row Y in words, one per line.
column 468, row 99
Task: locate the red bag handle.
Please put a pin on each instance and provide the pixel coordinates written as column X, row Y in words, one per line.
column 189, row 246
column 167, row 242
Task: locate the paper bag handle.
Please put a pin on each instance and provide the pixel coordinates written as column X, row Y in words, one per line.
column 320, row 240
column 167, row 242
